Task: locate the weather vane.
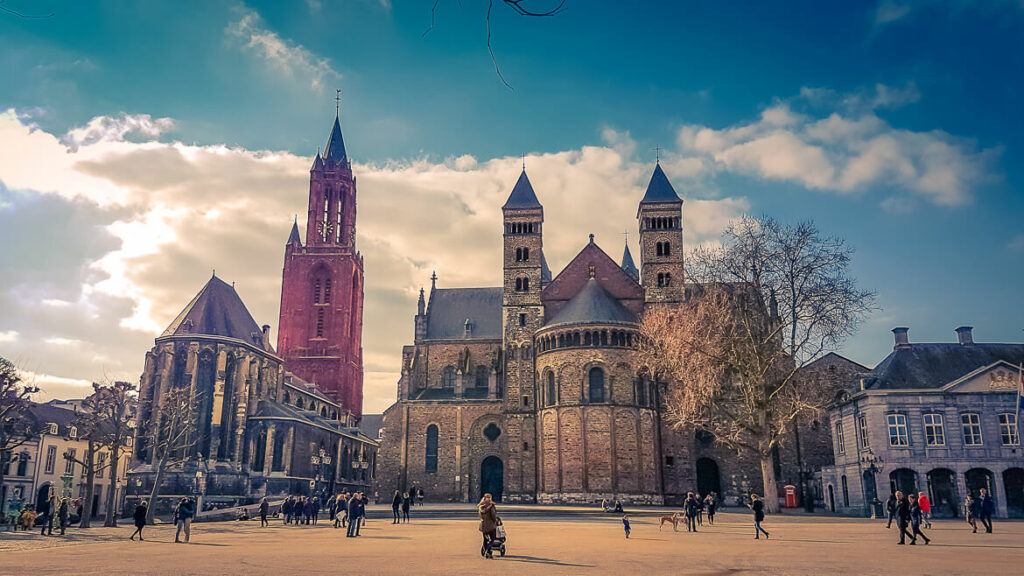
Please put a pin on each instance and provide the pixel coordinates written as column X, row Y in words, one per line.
column 337, row 102
column 657, row 154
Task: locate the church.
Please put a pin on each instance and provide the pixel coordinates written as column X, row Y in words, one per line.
column 533, row 391
column 268, row 422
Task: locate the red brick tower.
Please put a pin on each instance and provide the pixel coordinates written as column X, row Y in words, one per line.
column 321, row 328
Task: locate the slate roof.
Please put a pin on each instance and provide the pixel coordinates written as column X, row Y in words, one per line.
column 43, row 414
column 269, row 409
column 217, row 310
column 593, row 305
column 522, row 195
column 545, row 271
column 318, row 162
column 293, row 238
column 450, row 307
column 924, row 366
column 371, row 424
column 628, row 265
column 335, row 151
column 659, row 189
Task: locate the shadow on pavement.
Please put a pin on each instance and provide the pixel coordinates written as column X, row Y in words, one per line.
column 549, row 561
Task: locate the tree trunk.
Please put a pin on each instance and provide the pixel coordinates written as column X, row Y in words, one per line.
column 154, row 493
column 111, row 517
column 90, row 480
column 771, row 492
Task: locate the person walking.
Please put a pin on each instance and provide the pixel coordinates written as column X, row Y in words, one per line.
column 63, row 511
column 757, row 505
column 264, row 508
column 396, row 504
column 47, row 512
column 890, row 508
column 341, row 511
column 625, row 524
column 700, row 511
column 406, row 504
column 971, row 512
column 916, row 518
column 926, row 509
column 709, row 504
column 690, row 507
column 286, row 510
column 183, row 514
column 316, row 509
column 420, row 495
column 139, row 516
column 986, row 508
column 355, row 504
column 488, row 523
column 903, row 517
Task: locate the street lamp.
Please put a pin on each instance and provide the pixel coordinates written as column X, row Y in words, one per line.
column 872, row 461
column 322, row 460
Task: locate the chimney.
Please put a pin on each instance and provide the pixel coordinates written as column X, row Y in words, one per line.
column 964, row 335
column 902, row 340
column 266, row 335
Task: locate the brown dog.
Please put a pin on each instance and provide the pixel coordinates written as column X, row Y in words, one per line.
column 674, row 519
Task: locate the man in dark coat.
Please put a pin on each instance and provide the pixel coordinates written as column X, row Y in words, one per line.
column 986, row 508
column 890, row 508
column 690, row 508
column 355, row 514
column 140, row 520
column 264, row 509
column 63, row 512
column 286, row 510
column 183, row 514
column 396, row 503
column 903, row 516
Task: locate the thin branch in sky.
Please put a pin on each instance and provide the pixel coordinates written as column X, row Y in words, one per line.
column 22, row 15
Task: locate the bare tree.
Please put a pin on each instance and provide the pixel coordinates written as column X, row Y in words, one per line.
column 22, row 14
column 520, row 7
column 769, row 300
column 110, row 410
column 16, row 424
column 89, row 465
column 171, row 438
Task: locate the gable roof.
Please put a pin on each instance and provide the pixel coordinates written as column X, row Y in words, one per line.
column 217, row 310
column 659, row 189
column 573, row 278
column 593, row 305
column 449, row 309
column 522, row 195
column 335, row 151
column 927, row 366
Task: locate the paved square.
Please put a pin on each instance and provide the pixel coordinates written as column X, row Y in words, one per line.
column 557, row 544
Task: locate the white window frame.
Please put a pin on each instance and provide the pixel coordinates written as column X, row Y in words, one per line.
column 1008, row 429
column 970, row 426
column 897, row 422
column 862, row 428
column 51, row 459
column 54, row 429
column 937, row 427
column 840, row 439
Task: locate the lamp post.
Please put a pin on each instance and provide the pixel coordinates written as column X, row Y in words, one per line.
column 321, row 460
column 871, row 462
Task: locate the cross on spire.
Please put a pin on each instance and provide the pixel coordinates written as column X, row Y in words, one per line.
column 657, row 154
column 524, row 161
column 337, row 102
column 625, row 233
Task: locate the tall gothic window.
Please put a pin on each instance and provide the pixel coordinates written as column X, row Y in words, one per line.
column 430, row 464
column 551, row 395
column 483, row 374
column 327, row 291
column 448, row 377
column 596, row 378
column 320, row 323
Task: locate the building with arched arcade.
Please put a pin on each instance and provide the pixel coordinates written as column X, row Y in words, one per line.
column 533, row 391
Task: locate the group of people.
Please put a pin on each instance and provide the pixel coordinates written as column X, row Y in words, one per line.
column 300, row 510
column 980, row 509
column 694, row 508
column 912, row 511
column 401, row 502
column 55, row 513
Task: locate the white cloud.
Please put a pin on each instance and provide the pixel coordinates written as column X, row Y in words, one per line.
column 280, row 54
column 848, row 150
column 8, row 336
column 163, row 231
column 51, row 386
column 116, row 129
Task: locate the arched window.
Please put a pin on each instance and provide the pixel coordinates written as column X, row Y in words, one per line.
column 519, row 284
column 666, row 249
column 448, row 377
column 587, row 339
column 658, row 248
column 316, row 291
column 320, row 323
column 526, row 284
column 596, row 378
column 298, row 403
column 641, row 391
column 430, row 464
column 519, row 254
column 668, row 278
column 327, row 291
column 552, row 393
column 483, row 374
column 526, row 254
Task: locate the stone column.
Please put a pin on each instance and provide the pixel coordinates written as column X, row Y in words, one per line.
column 192, row 371
column 241, row 388
column 218, row 407
column 289, row 451
column 268, row 458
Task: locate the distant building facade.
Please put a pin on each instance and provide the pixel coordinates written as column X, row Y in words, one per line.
column 939, row 418
column 533, row 391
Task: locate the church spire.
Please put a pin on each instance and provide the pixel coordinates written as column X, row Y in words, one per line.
column 522, row 195
column 628, row 266
column 293, row 238
column 335, row 151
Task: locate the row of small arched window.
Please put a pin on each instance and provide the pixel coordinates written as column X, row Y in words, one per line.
column 587, row 338
column 482, row 376
column 663, row 249
column 645, row 390
column 522, row 254
column 522, row 284
column 661, row 223
column 301, row 405
column 522, row 228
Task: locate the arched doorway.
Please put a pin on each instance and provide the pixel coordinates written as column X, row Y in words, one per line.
column 43, row 499
column 870, row 487
column 708, row 478
column 978, row 479
column 1013, row 484
column 942, row 491
column 831, row 499
column 903, row 480
column 492, row 477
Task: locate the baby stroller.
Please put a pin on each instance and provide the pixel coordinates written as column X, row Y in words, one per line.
column 498, row 543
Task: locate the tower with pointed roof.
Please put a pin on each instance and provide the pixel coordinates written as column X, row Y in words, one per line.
column 320, row 333
column 659, row 217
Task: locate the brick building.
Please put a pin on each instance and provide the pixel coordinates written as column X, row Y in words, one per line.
column 532, row 391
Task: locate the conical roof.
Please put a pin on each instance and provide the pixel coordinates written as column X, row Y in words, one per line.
column 627, row 264
column 593, row 305
column 335, row 151
column 318, row 162
column 294, row 238
column 217, row 310
column 659, row 189
column 522, row 195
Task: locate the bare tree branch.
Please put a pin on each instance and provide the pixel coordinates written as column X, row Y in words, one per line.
column 23, row 15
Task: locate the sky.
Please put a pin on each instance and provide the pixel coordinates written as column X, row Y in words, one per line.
column 144, row 144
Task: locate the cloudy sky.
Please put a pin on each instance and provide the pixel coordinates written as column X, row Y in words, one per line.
column 143, row 145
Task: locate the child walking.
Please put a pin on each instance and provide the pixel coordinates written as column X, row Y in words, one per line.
column 625, row 524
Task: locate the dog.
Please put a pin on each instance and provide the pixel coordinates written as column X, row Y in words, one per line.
column 674, row 519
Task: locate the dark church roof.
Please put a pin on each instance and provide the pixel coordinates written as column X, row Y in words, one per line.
column 659, row 189
column 318, row 162
column 217, row 310
column 922, row 366
column 545, row 271
column 293, row 238
column 522, row 195
column 593, row 305
column 335, row 151
column 450, row 308
column 628, row 266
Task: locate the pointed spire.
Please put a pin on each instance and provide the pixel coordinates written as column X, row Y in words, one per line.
column 335, row 151
column 628, row 266
column 318, row 162
column 293, row 238
column 433, row 280
column 522, row 195
column 659, row 189
column 421, row 306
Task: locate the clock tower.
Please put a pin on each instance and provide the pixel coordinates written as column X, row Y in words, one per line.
column 321, row 326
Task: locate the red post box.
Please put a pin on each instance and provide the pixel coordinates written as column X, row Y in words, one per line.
column 790, row 496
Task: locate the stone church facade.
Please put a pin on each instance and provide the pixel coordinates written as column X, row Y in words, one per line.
column 533, row 391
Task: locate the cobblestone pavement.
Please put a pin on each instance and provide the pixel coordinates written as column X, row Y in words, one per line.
column 555, row 545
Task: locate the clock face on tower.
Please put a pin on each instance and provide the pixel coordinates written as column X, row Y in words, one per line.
column 325, row 230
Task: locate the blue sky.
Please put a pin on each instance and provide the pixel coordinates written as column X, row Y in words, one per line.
column 895, row 124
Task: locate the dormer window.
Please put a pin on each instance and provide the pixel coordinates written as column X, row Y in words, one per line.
column 73, row 432
column 53, row 429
